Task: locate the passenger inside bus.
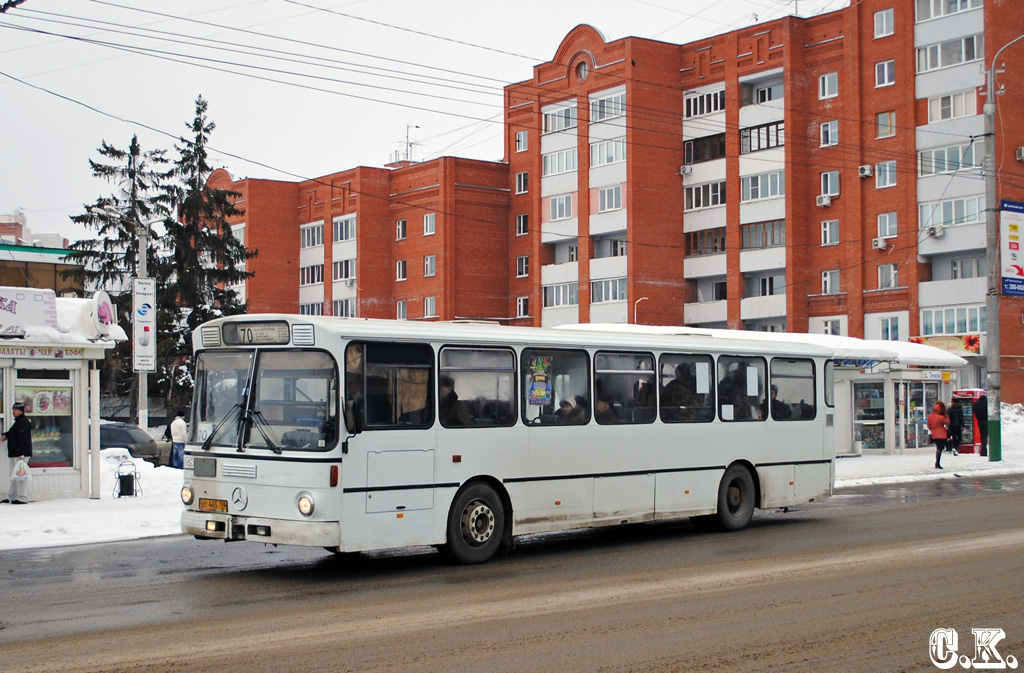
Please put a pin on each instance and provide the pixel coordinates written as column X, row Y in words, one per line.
column 604, row 412
column 450, row 409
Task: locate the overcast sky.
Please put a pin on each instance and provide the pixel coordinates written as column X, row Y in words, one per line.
column 297, row 88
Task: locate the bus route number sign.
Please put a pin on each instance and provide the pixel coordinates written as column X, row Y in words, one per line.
column 256, row 333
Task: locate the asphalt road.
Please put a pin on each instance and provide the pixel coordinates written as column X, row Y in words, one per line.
column 856, row 583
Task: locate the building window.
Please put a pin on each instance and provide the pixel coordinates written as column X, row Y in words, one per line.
column 952, row 211
column 888, row 276
column 400, row 270
column 763, row 186
column 704, row 149
column 608, row 152
column 561, row 207
column 767, row 92
column 830, row 133
column 953, row 106
column 885, row 124
column 429, row 224
column 522, row 266
column 311, row 275
column 889, row 329
column 706, row 242
column 763, row 235
column 885, row 174
column 828, row 86
column 430, row 307
column 522, row 307
column 344, row 269
column 949, row 159
column 565, row 294
column 561, row 119
column 953, row 320
column 607, row 107
column 612, row 289
column 574, row 251
column 311, row 309
column 617, row 247
column 522, row 141
column 522, row 224
column 768, row 285
column 345, row 228
column 972, row 267
column 559, row 162
column 705, row 196
column 762, row 137
column 704, row 104
column 930, row 9
column 885, row 73
column 522, row 182
column 887, row 225
column 429, row 265
column 884, row 25
column 401, row 310
column 400, row 230
column 833, row 326
column 830, row 183
column 345, row 308
column 609, row 198
column 720, row 290
column 830, row 281
column 311, row 236
column 830, row 232
column 952, row 52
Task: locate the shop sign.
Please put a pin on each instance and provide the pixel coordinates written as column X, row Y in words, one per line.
column 144, row 343
column 42, row 352
column 22, row 307
column 967, row 344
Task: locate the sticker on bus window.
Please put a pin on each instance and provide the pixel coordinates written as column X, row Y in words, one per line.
column 540, row 382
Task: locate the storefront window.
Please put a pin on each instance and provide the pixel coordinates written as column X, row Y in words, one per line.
column 869, row 414
column 921, row 397
column 48, row 406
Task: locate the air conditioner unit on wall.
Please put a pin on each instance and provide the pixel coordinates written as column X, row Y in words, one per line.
column 685, row 170
column 824, row 201
column 865, row 171
column 1020, row 154
column 878, row 243
column 937, row 231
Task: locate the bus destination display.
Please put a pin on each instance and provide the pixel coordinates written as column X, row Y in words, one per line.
column 255, row 333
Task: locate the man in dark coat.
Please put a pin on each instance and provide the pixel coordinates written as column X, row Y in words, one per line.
column 19, row 447
column 980, row 409
column 956, row 427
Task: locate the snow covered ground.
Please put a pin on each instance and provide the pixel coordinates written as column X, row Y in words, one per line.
column 157, row 510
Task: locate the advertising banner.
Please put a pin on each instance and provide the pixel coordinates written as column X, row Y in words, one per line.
column 1011, row 223
column 144, row 319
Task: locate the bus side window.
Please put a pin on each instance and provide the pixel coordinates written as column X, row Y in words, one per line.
column 791, row 394
column 476, row 387
column 624, row 385
column 556, row 386
column 741, row 388
column 394, row 390
column 687, row 388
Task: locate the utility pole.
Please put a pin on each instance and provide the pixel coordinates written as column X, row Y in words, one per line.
column 993, row 358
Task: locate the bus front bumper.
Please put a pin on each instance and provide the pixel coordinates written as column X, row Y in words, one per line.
column 213, row 526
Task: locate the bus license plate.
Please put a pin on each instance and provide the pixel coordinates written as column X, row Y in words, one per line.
column 208, row 505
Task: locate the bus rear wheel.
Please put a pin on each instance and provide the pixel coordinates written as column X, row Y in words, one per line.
column 736, row 498
column 476, row 524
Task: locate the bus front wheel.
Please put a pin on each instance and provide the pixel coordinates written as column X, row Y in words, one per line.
column 476, row 524
column 736, row 498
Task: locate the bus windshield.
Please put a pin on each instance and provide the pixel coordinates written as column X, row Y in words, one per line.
column 285, row 400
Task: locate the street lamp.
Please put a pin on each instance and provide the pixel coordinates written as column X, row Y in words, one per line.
column 634, row 307
column 992, row 356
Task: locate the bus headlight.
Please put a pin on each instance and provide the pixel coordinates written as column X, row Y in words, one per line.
column 305, row 503
column 187, row 494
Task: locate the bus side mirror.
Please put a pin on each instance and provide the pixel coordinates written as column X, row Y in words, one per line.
column 352, row 418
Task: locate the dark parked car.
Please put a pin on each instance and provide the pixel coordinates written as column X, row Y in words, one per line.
column 136, row 440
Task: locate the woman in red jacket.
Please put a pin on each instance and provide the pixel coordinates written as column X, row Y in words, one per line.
column 938, row 422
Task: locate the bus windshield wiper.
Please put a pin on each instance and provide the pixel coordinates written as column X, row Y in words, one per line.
column 263, row 426
column 209, row 440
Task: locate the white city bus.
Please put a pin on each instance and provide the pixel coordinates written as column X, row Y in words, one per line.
column 357, row 435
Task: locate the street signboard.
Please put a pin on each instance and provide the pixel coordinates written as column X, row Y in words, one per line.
column 144, row 319
column 1011, row 235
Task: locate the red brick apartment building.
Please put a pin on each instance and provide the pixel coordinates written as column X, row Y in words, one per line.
column 817, row 174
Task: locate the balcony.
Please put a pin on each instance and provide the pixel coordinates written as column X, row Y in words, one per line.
column 607, row 267
column 763, row 259
column 699, row 313
column 556, row 274
column 760, row 308
column 954, row 238
column 952, row 292
column 703, row 266
column 559, row 315
column 559, row 231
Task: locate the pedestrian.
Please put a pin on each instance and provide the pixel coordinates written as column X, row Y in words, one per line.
column 938, row 421
column 19, row 447
column 980, row 409
column 179, row 433
column 956, row 428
